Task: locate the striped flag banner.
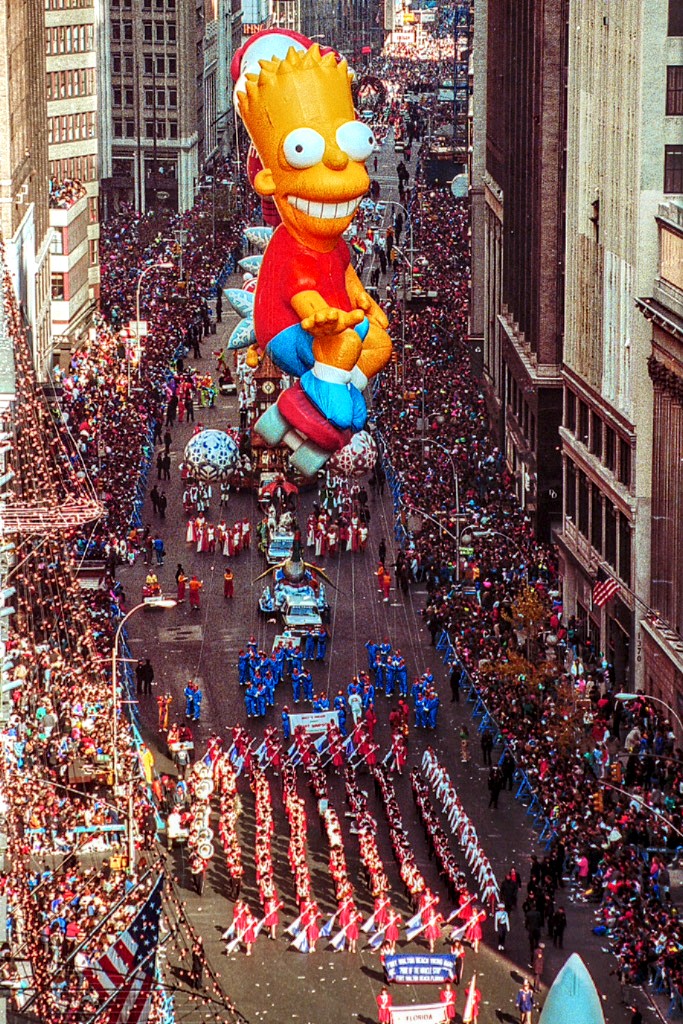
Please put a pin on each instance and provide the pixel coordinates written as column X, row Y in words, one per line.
column 123, row 977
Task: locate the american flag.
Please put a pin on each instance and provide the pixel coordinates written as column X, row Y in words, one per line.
column 604, row 588
column 123, row 976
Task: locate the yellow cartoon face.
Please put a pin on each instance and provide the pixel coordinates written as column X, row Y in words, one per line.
column 299, row 113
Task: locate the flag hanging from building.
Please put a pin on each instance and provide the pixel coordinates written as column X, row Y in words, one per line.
column 123, row 977
column 604, row 589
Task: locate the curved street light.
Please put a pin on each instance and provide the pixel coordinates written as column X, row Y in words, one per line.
column 161, row 265
column 162, row 602
column 657, row 700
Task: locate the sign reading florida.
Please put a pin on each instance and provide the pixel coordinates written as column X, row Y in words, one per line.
column 311, row 312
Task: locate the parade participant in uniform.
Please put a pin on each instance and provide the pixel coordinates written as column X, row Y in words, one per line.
column 195, row 587
column 189, row 697
column 181, row 580
column 392, row 932
column 458, row 952
column 196, row 702
column 249, row 931
column 286, row 728
column 309, row 923
column 502, row 925
column 447, row 997
column 433, row 927
column 272, row 918
column 525, row 1002
column 309, row 644
column 164, row 701
column 307, row 680
column 370, row 721
column 473, row 934
column 384, row 1003
column 322, row 638
column 228, row 583
column 296, row 684
column 242, row 667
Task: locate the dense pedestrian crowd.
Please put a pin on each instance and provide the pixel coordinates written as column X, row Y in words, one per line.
column 551, row 698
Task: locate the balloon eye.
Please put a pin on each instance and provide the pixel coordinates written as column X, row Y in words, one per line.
column 303, row 147
column 356, row 140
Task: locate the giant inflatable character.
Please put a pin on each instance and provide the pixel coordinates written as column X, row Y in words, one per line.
column 311, row 312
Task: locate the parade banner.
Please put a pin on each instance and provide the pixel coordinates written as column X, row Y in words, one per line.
column 419, row 968
column 314, row 722
column 429, row 1013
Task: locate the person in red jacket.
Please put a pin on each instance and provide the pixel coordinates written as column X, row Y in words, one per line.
column 384, row 1002
column 447, row 997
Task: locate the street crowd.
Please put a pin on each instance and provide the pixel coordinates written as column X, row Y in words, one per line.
column 58, row 760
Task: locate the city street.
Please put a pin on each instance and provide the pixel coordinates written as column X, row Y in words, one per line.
column 278, row 983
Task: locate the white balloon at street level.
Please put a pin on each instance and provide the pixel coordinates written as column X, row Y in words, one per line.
column 211, row 455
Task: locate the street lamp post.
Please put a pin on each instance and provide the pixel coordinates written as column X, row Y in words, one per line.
column 411, row 239
column 657, row 700
column 444, row 449
column 160, row 603
column 162, row 265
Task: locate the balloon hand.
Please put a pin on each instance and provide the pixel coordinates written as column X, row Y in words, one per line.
column 329, row 321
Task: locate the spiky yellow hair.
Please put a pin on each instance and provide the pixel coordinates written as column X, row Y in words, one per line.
column 324, row 76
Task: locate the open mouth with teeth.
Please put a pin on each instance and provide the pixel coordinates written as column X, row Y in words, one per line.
column 325, row 211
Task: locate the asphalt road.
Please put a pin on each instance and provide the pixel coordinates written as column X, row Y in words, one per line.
column 277, row 983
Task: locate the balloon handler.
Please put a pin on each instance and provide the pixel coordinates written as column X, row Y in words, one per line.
column 311, row 312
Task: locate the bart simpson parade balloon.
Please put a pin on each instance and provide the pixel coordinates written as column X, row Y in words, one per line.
column 311, row 311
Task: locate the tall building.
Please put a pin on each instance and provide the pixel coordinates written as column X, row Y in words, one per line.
column 217, row 86
column 71, row 37
column 662, row 631
column 156, row 138
column 518, row 237
column 624, row 162
column 24, row 213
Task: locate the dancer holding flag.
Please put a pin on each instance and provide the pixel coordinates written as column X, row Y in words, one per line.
column 470, row 1014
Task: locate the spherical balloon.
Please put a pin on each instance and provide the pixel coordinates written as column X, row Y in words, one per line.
column 211, row 455
column 357, row 457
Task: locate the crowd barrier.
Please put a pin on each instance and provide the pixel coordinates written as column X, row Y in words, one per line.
column 524, row 789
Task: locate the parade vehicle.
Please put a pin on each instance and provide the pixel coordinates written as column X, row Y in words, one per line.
column 279, row 547
column 299, row 612
column 295, row 593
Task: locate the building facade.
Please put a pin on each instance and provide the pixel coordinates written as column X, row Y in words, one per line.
column 24, row 209
column 517, row 186
column 624, row 158
column 71, row 46
column 662, row 631
column 163, row 98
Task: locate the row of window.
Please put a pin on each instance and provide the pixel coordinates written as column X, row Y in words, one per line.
column 82, row 168
column 602, row 440
column 72, row 127
column 157, row 99
column 152, row 65
column 67, row 5
column 518, row 404
column 605, row 528
column 159, row 31
column 69, row 39
column 164, row 130
column 147, row 5
column 74, row 82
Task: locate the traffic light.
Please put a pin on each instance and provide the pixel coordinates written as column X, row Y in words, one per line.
column 615, row 772
column 598, row 802
column 394, row 356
